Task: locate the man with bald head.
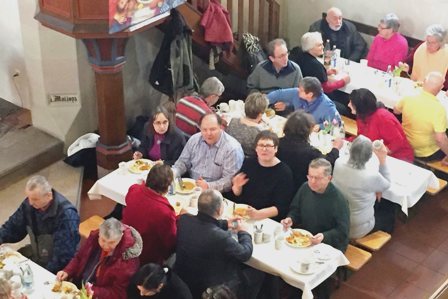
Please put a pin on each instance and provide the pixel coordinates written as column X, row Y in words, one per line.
column 424, row 120
column 341, row 33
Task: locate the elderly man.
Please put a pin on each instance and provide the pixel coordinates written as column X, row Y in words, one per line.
column 308, row 97
column 342, row 34
column 430, row 56
column 190, row 109
column 50, row 220
column 275, row 72
column 424, row 120
column 208, row 255
column 211, row 157
column 389, row 47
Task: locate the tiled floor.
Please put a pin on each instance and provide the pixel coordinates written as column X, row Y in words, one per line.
column 412, row 265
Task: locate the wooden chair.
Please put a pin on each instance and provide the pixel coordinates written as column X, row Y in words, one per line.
column 374, row 241
column 357, row 258
column 351, row 128
column 90, row 224
column 434, row 191
column 437, row 165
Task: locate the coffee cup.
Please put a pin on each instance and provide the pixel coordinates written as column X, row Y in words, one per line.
column 223, row 107
column 278, row 242
column 122, row 168
column 305, row 265
column 377, row 144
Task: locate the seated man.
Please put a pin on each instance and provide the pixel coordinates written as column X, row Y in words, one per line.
column 342, row 34
column 320, row 208
column 190, row 109
column 308, row 97
column 211, row 157
column 430, row 56
column 275, row 72
column 50, row 220
column 424, row 120
column 206, row 253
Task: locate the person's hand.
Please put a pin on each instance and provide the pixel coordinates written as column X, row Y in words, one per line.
column 338, row 143
column 253, row 213
column 316, row 128
column 280, row 106
column 346, row 78
column 378, row 195
column 61, row 275
column 158, row 162
column 404, row 66
column 381, row 153
column 317, row 238
column 137, row 155
column 287, row 223
column 332, row 71
column 202, row 183
column 240, row 180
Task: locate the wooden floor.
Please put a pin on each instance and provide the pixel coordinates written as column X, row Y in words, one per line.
column 414, row 264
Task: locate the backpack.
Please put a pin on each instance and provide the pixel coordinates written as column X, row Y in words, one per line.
column 252, row 52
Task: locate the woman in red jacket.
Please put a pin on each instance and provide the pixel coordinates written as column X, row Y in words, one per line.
column 150, row 213
column 108, row 259
column 376, row 122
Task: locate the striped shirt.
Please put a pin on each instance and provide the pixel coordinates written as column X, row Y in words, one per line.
column 189, row 111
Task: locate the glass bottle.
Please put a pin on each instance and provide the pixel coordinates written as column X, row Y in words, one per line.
column 327, row 53
column 27, row 278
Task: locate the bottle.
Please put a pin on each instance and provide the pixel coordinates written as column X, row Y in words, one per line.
column 27, row 278
column 389, row 76
column 342, row 130
column 334, row 57
column 327, row 53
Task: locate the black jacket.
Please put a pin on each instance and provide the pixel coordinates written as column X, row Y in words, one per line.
column 170, row 148
column 348, row 39
column 206, row 253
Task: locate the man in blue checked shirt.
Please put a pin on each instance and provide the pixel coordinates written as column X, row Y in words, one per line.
column 211, row 157
column 51, row 222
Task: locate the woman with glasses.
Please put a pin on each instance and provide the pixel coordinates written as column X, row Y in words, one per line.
column 161, row 139
column 264, row 183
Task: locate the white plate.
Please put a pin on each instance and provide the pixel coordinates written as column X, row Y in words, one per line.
column 185, row 190
column 302, row 231
column 295, row 267
column 132, row 168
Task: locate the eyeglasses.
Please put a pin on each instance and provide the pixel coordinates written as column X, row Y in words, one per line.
column 316, row 178
column 282, row 55
column 382, row 28
column 160, row 123
column 265, row 146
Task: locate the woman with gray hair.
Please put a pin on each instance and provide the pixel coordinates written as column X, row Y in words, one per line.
column 313, row 47
column 389, row 47
column 429, row 56
column 107, row 259
column 361, row 185
column 245, row 129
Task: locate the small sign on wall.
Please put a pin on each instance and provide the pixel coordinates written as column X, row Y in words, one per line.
column 63, row 100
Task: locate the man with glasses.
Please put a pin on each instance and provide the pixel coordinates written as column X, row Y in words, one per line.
column 211, row 157
column 342, row 34
column 275, row 72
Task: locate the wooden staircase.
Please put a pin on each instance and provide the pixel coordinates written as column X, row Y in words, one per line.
column 265, row 12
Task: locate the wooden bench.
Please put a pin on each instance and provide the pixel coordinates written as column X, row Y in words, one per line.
column 357, row 258
column 374, row 241
column 90, row 224
column 350, row 126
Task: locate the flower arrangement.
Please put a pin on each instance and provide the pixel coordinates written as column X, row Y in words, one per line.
column 330, row 126
column 86, row 291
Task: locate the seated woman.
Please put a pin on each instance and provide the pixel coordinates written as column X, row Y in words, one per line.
column 161, row 139
column 389, row 47
column 313, row 47
column 295, row 150
column 153, row 280
column 107, row 259
column 264, row 183
column 377, row 122
column 245, row 129
column 361, row 185
column 149, row 212
column 219, row 292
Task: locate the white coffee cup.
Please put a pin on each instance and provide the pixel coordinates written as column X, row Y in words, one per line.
column 377, row 144
column 122, row 168
column 305, row 265
column 223, row 107
column 278, row 242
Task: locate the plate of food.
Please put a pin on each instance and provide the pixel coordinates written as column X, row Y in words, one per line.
column 188, row 186
column 139, row 165
column 299, row 238
column 64, row 288
column 270, row 112
column 240, row 210
column 10, row 257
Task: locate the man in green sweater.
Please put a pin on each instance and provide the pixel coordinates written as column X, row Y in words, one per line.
column 320, row 208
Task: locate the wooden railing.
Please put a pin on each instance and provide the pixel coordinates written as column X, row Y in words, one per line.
column 259, row 17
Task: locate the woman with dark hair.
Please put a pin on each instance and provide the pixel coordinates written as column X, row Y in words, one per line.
column 150, row 213
column 295, row 150
column 153, row 280
column 376, row 122
column 218, row 292
column 264, row 183
column 161, row 139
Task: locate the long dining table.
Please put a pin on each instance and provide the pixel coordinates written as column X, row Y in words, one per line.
column 265, row 257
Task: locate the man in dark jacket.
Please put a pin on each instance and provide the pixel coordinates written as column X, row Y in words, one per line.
column 341, row 33
column 50, row 220
column 207, row 255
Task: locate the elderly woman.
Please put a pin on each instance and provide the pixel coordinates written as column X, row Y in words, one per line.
column 153, row 280
column 245, row 129
column 376, row 122
column 107, row 259
column 365, row 183
column 430, row 56
column 389, row 47
column 161, row 139
column 313, row 47
column 150, row 213
column 296, row 151
column 5, row 289
column 264, row 183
